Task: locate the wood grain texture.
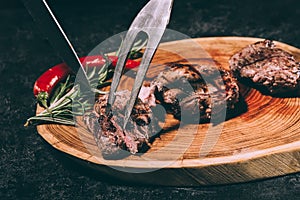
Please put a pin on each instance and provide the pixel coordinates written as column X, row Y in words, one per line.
column 261, row 141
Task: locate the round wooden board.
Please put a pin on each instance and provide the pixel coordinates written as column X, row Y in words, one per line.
column 261, row 141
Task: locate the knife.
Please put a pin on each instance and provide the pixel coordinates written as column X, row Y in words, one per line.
column 50, row 27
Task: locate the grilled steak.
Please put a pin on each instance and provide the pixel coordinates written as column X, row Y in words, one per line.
column 266, row 67
column 193, row 88
column 107, row 128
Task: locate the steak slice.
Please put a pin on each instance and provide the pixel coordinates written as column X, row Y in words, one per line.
column 268, row 68
column 107, row 128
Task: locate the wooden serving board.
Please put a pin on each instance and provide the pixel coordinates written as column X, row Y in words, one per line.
column 261, row 141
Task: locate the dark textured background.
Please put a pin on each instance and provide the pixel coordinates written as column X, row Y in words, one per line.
column 32, row 169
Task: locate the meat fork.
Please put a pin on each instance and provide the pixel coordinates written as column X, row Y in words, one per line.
column 152, row 20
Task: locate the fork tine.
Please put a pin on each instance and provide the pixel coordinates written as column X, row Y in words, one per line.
column 124, row 50
column 145, row 63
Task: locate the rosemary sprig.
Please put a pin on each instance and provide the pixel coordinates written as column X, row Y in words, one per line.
column 70, row 99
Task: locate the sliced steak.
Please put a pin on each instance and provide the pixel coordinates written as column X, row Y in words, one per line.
column 107, row 128
column 268, row 68
column 193, row 88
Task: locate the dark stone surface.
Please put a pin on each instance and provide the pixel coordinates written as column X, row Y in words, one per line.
column 32, row 169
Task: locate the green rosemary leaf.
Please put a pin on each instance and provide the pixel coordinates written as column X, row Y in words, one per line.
column 61, row 90
column 48, row 119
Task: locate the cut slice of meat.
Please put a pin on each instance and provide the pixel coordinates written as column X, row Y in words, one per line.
column 107, row 128
column 264, row 66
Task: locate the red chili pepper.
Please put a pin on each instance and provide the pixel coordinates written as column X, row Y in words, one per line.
column 94, row 61
column 45, row 84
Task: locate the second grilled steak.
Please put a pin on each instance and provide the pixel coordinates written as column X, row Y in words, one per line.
column 270, row 69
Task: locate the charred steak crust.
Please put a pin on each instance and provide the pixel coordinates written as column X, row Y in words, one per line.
column 195, row 87
column 270, row 69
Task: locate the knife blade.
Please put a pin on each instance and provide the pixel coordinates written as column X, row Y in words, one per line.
column 45, row 19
